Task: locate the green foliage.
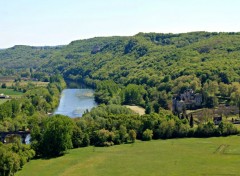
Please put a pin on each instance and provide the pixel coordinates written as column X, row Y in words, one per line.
column 107, row 110
column 133, row 95
column 107, row 92
column 207, row 130
column 55, row 137
column 158, row 62
column 4, row 86
column 100, row 124
column 164, row 64
column 227, row 129
column 13, row 157
column 132, row 135
column 104, row 138
column 79, row 138
column 147, row 135
column 17, row 58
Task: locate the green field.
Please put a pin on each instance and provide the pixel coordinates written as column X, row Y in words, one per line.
column 3, row 101
column 211, row 156
column 10, row 92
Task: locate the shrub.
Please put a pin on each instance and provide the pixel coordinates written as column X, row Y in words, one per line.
column 104, row 138
column 132, row 135
column 147, row 135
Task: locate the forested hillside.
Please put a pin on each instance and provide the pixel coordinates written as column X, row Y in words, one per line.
column 20, row 58
column 146, row 69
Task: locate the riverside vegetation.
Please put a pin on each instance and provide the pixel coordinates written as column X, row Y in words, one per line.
column 144, row 70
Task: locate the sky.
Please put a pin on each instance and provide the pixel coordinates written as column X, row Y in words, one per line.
column 58, row 22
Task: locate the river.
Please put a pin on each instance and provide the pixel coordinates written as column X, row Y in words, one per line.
column 74, row 102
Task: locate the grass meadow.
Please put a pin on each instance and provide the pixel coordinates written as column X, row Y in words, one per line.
column 10, row 92
column 189, row 156
column 3, row 101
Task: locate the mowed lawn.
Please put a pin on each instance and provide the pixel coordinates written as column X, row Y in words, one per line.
column 211, row 156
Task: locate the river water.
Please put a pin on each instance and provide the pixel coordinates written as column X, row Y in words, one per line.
column 74, row 102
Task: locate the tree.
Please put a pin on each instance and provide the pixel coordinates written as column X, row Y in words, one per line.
column 224, row 77
column 4, row 85
column 148, row 108
column 226, row 128
column 147, row 135
column 210, row 89
column 235, row 100
column 104, row 138
column 166, row 128
column 77, row 137
column 132, row 135
column 13, row 157
column 57, row 136
column 9, row 161
column 163, row 100
column 211, row 101
column 133, row 94
column 123, row 133
column 191, row 123
column 206, row 130
column 224, row 89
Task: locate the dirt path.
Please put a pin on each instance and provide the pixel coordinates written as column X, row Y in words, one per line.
column 221, row 149
column 137, row 109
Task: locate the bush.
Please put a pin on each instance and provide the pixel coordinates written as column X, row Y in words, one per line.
column 147, row 135
column 206, row 130
column 104, row 138
column 132, row 135
column 77, row 137
column 227, row 129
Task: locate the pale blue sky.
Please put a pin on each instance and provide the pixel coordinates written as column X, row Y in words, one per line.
column 56, row 22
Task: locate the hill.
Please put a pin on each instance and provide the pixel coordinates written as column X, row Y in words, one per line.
column 164, row 65
column 21, row 56
column 211, row 156
column 136, row 58
column 149, row 58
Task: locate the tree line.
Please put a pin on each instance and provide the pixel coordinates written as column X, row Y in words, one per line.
column 108, row 125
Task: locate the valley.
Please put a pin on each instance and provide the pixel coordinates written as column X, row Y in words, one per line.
column 180, row 92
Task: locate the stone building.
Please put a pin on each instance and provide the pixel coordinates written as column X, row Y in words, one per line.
column 187, row 100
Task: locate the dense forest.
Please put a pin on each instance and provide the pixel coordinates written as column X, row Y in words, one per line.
column 147, row 70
